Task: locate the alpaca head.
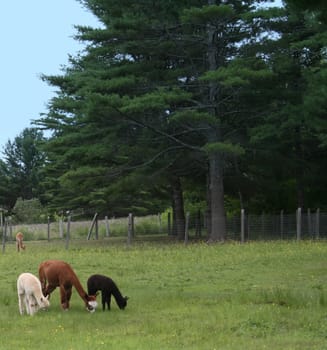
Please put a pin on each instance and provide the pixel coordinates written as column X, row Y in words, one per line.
column 91, row 303
column 44, row 302
column 123, row 303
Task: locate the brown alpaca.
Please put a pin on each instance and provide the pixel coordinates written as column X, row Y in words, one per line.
column 58, row 273
column 19, row 241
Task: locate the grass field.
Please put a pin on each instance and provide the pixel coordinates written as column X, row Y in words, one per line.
column 252, row 296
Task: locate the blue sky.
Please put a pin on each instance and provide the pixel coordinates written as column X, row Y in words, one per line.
column 36, row 38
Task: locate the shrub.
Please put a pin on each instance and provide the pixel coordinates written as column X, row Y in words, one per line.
column 28, row 212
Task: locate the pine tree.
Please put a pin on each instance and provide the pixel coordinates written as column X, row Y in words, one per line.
column 291, row 131
column 161, row 82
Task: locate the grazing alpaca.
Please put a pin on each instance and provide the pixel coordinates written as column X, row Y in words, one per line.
column 58, row 273
column 107, row 287
column 30, row 294
column 19, row 241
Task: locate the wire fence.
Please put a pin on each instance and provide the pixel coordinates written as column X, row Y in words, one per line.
column 243, row 228
column 300, row 225
column 297, row 226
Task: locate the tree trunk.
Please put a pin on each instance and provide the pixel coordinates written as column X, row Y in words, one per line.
column 217, row 210
column 299, row 169
column 178, row 207
column 217, row 220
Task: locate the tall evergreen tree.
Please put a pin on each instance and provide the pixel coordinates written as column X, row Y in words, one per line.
column 292, row 132
column 156, row 86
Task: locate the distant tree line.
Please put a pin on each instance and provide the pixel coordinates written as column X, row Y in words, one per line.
column 212, row 105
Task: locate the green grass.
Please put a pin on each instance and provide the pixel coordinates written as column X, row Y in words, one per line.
column 230, row 296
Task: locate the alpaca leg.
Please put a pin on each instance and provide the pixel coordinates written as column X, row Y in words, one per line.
column 65, row 294
column 33, row 305
column 103, row 300
column 68, row 295
column 21, row 300
column 109, row 301
column 63, row 298
column 27, row 305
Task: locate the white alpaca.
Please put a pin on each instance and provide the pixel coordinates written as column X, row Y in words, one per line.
column 30, row 294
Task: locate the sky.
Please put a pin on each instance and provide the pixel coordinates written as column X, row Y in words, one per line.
column 36, row 38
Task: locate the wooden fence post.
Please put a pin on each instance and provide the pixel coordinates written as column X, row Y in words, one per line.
column 9, row 227
column 68, row 231
column 48, row 228
column 298, row 224
column 309, row 222
column 186, row 228
column 96, row 228
column 130, row 229
column 169, row 224
column 160, row 223
column 317, row 223
column 2, row 231
column 94, row 222
column 61, row 228
column 242, row 226
column 282, row 224
column 107, row 226
column 263, row 224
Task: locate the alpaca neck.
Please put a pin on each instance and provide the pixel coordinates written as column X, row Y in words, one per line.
column 118, row 296
column 80, row 290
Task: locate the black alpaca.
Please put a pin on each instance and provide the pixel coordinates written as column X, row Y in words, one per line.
column 107, row 287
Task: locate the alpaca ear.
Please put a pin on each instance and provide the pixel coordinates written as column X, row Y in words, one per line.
column 126, row 298
column 47, row 297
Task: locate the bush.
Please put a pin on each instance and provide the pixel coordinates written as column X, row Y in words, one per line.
column 28, row 212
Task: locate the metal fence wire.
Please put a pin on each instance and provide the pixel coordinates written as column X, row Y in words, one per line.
column 244, row 227
column 247, row 227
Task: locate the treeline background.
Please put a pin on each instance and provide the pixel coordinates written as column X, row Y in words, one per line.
column 215, row 106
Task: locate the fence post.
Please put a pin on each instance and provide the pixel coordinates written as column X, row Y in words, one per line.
column 96, row 228
column 298, row 224
column 48, row 228
column 186, row 227
column 169, row 223
column 263, row 226
column 198, row 232
column 94, row 221
column 309, row 222
column 242, row 225
column 282, row 224
column 160, row 223
column 68, row 231
column 2, row 231
column 61, row 228
column 130, row 229
column 107, row 226
column 10, row 227
column 317, row 223
column 1, row 219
